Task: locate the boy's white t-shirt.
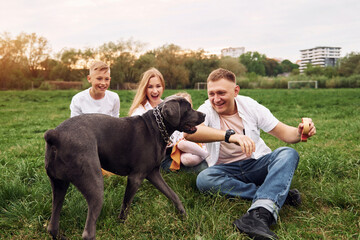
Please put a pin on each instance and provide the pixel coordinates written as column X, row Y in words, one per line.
column 83, row 103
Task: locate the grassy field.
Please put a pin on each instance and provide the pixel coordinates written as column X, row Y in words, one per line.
column 328, row 174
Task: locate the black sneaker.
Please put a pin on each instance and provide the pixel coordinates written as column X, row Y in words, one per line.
column 293, row 198
column 256, row 223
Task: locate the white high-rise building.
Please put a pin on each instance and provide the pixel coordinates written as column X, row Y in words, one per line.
column 232, row 52
column 319, row 56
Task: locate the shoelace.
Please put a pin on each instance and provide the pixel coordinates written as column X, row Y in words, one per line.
column 264, row 215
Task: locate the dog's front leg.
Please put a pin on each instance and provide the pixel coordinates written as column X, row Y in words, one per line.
column 133, row 183
column 156, row 179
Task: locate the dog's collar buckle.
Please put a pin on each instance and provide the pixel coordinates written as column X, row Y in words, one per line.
column 161, row 125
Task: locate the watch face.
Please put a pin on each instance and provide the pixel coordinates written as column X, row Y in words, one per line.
column 231, row 131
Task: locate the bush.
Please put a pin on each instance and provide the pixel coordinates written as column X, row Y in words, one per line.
column 354, row 81
column 322, row 80
column 60, row 85
column 267, row 83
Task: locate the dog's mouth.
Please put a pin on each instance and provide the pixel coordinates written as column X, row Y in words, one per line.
column 189, row 129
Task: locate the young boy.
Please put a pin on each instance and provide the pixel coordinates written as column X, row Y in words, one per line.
column 96, row 99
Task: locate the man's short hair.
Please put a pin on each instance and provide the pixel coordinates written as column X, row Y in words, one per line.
column 99, row 66
column 221, row 73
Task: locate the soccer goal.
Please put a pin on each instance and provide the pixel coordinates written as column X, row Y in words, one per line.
column 302, row 84
column 200, row 85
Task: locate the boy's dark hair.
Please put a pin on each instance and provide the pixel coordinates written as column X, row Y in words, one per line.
column 221, row 73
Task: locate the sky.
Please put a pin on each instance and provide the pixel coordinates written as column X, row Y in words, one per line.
column 276, row 28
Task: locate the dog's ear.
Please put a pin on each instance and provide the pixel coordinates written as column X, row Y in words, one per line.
column 171, row 112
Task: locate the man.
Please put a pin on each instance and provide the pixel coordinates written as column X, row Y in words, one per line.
column 240, row 162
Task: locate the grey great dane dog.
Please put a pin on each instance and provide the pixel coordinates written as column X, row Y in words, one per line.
column 79, row 147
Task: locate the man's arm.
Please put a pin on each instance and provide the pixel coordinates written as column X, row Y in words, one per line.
column 291, row 134
column 206, row 134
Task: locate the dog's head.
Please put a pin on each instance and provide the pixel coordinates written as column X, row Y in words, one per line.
column 177, row 111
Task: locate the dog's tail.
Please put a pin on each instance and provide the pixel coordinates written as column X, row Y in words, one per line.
column 51, row 137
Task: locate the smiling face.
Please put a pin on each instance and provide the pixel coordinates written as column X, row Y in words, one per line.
column 100, row 82
column 154, row 91
column 222, row 95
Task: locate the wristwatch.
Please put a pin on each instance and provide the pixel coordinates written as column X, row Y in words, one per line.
column 228, row 133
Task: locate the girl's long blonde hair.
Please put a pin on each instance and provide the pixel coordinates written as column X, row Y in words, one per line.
column 140, row 96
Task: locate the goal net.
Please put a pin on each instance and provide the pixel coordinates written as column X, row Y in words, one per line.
column 302, row 84
column 200, row 85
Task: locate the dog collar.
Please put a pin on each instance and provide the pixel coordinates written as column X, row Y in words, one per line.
column 161, row 125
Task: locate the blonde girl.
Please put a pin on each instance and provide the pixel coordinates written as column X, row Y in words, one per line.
column 149, row 92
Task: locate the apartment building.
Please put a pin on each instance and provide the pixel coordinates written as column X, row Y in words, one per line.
column 319, row 56
column 232, row 52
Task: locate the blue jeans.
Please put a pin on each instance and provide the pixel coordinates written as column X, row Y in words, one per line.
column 266, row 180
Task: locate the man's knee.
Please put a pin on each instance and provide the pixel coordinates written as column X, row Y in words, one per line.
column 205, row 181
column 288, row 154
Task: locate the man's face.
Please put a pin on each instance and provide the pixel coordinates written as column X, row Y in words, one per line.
column 221, row 94
column 100, row 81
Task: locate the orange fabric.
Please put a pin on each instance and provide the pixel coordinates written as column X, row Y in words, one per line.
column 107, row 173
column 175, row 156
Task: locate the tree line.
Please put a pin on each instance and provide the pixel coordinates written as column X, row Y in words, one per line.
column 26, row 61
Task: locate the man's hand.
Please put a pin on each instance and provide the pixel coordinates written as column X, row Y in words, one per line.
column 247, row 145
column 312, row 129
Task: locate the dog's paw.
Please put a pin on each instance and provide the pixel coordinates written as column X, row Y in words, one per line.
column 183, row 215
column 122, row 218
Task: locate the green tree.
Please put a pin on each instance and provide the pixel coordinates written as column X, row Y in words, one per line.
column 36, row 51
column 199, row 66
column 48, row 65
column 110, row 51
column 143, row 63
column 288, row 66
column 295, row 71
column 233, row 65
column 21, row 58
column 350, row 64
column 170, row 62
column 121, row 57
column 254, row 62
column 122, row 69
column 272, row 67
column 71, row 70
column 330, row 72
column 313, row 70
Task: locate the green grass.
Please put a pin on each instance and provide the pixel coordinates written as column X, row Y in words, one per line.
column 328, row 174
